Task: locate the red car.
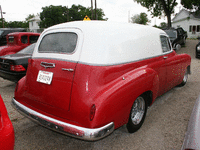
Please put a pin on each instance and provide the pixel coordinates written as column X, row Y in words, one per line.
column 7, row 136
column 17, row 41
column 87, row 78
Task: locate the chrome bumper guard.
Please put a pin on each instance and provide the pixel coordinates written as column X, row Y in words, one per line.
column 65, row 128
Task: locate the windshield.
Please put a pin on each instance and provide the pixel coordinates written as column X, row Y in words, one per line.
column 1, row 32
column 28, row 50
column 171, row 33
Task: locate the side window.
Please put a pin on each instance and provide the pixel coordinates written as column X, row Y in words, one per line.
column 33, row 39
column 24, row 39
column 166, row 47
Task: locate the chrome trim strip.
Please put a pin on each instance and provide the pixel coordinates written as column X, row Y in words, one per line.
column 63, row 127
column 70, row 69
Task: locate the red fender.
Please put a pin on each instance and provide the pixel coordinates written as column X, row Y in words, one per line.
column 7, row 138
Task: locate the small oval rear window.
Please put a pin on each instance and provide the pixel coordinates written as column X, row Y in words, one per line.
column 58, row 43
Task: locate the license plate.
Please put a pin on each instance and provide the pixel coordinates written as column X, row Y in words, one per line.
column 45, row 77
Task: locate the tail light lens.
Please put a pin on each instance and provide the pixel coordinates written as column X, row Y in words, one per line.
column 17, row 68
column 92, row 112
column 0, row 121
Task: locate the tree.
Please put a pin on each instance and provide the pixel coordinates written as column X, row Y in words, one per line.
column 30, row 16
column 158, row 7
column 191, row 4
column 52, row 15
column 16, row 24
column 78, row 12
column 140, row 19
column 163, row 25
column 2, row 21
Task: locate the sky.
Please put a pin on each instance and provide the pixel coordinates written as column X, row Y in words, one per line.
column 115, row 10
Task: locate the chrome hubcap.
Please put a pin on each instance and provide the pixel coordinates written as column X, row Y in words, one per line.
column 178, row 46
column 138, row 109
column 185, row 77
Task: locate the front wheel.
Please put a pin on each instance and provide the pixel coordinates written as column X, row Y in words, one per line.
column 177, row 47
column 137, row 114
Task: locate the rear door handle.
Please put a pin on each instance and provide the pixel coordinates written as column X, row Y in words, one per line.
column 165, row 57
column 47, row 65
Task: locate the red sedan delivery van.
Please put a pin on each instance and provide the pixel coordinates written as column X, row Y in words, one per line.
column 86, row 79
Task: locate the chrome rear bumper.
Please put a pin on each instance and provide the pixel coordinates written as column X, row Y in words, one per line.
column 65, row 128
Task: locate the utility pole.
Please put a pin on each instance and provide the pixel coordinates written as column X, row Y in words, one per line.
column 67, row 14
column 92, row 16
column 95, row 10
column 129, row 16
column 2, row 17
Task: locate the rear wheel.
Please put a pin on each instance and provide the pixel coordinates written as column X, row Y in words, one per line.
column 137, row 114
column 185, row 78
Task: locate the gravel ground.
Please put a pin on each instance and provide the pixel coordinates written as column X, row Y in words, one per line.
column 163, row 129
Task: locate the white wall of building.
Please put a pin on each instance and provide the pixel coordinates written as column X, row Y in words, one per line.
column 189, row 25
column 188, row 22
column 34, row 24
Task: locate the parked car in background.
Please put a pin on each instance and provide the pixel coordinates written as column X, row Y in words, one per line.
column 13, row 67
column 17, row 41
column 87, row 89
column 198, row 50
column 7, row 135
column 177, row 37
column 6, row 31
column 192, row 136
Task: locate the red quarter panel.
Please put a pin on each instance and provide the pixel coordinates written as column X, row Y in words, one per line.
column 112, row 89
column 53, row 98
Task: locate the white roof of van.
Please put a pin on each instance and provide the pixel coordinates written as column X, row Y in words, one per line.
column 107, row 43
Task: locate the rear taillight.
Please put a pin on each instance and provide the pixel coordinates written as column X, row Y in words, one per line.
column 17, row 68
column 0, row 121
column 92, row 112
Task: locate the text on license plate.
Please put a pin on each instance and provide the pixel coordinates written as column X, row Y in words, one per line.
column 45, row 77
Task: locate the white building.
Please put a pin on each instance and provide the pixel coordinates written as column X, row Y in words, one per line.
column 189, row 21
column 34, row 24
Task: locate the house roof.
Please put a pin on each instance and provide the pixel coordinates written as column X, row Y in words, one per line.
column 196, row 14
column 185, row 14
column 36, row 18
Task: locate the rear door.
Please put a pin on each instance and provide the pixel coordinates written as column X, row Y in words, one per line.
column 52, row 68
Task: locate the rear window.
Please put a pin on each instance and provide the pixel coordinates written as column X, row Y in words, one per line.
column 58, row 43
column 24, row 39
column 11, row 39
